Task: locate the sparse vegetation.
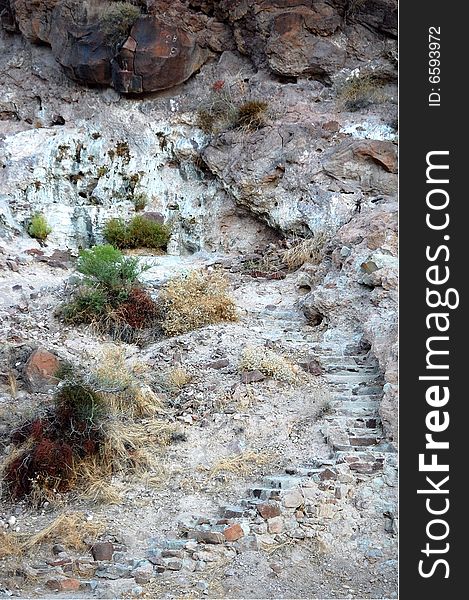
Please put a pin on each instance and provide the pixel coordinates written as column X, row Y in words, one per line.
column 310, row 250
column 39, row 228
column 252, row 115
column 193, row 301
column 140, row 201
column 258, row 358
column 228, row 107
column 116, row 20
column 109, row 295
column 140, row 232
column 359, row 92
column 92, row 430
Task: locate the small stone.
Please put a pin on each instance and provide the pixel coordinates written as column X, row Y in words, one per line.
column 275, row 525
column 191, row 546
column 102, row 550
column 89, row 585
column 293, row 499
column 219, row 364
column 327, row 474
column 173, row 564
column 143, row 573
column 57, row 549
column 233, row 512
column 207, row 537
column 268, row 510
column 11, row 521
column 233, row 532
column 60, row 584
column 276, row 567
column 169, row 553
column 248, row 542
column 252, row 377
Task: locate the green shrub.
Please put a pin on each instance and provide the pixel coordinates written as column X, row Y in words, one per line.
column 139, row 233
column 39, row 228
column 87, row 306
column 107, row 267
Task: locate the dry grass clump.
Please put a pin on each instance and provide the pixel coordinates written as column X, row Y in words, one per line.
column 243, row 464
column 193, row 301
column 73, row 530
column 178, row 377
column 122, row 387
column 228, row 106
column 98, row 425
column 258, row 358
column 360, row 91
column 252, row 115
column 130, row 446
column 310, row 250
column 9, row 545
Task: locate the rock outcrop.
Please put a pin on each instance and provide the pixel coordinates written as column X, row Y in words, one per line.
column 151, row 46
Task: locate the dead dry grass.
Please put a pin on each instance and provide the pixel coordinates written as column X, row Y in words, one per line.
column 10, row 545
column 196, row 300
column 73, row 530
column 310, row 250
column 130, row 446
column 243, row 464
column 258, row 358
column 122, row 386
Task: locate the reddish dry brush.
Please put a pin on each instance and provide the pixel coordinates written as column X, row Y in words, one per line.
column 48, row 446
column 139, row 310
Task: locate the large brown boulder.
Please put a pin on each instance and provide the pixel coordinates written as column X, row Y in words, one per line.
column 155, row 57
column 39, row 371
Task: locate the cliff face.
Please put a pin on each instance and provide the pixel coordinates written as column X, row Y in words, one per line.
column 325, row 158
column 249, row 127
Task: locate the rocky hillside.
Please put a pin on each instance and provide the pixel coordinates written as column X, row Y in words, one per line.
column 263, row 136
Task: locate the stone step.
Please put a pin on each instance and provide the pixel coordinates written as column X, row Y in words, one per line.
column 357, row 359
column 371, row 398
column 350, row 378
column 261, row 492
column 282, row 482
column 350, row 370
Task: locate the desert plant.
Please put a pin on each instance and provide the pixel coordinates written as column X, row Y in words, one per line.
column 107, row 267
column 123, row 389
column 140, row 232
column 310, row 250
column 87, row 306
column 258, row 358
column 140, row 201
column 116, row 19
column 195, row 300
column 251, row 115
column 360, row 91
column 39, row 228
column 88, row 433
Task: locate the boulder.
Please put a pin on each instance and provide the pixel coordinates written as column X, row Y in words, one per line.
column 39, row 371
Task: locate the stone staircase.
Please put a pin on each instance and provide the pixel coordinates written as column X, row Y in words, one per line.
column 357, row 445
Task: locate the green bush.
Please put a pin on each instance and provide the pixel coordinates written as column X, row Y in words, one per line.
column 87, row 306
column 39, row 228
column 107, row 267
column 140, row 232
